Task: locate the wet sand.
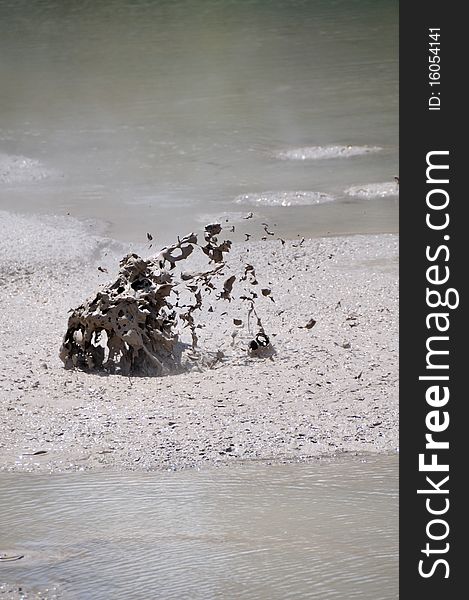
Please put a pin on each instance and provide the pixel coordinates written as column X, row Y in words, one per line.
column 329, row 389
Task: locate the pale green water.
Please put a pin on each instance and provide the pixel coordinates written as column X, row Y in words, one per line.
column 327, row 530
column 154, row 114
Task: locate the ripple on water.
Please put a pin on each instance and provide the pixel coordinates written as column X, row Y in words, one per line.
column 324, row 152
column 21, row 169
column 298, row 198
column 374, row 190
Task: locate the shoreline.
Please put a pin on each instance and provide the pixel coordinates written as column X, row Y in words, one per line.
column 293, row 222
column 329, row 390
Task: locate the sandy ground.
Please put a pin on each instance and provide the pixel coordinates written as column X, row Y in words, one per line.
column 21, row 592
column 328, row 389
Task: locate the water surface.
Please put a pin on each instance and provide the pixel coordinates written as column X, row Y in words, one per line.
column 323, row 530
column 149, row 114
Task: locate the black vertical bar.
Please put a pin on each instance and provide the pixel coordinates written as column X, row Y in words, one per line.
column 432, row 119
